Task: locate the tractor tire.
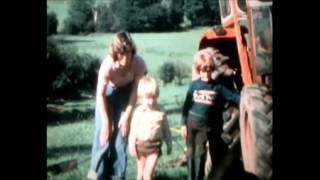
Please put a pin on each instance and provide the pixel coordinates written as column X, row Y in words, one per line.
column 256, row 130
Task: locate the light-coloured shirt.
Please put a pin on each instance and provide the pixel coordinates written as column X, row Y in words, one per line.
column 150, row 125
column 114, row 76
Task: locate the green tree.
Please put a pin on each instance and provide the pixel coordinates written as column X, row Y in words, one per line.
column 202, row 12
column 52, row 23
column 147, row 15
column 121, row 10
column 175, row 13
column 80, row 17
column 104, row 17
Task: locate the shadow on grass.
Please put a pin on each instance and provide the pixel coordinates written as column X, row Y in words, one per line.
column 61, row 117
column 55, row 152
column 170, row 109
column 174, row 110
column 65, row 41
column 58, row 118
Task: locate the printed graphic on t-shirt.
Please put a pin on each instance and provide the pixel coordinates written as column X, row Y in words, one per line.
column 204, row 96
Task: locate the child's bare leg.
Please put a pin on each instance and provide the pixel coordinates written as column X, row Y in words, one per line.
column 151, row 162
column 141, row 162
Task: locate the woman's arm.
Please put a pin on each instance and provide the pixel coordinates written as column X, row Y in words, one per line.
column 102, row 104
column 126, row 117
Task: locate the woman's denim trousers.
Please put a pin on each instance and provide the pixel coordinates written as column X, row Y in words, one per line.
column 109, row 161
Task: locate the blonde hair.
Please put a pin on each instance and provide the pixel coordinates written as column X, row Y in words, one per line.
column 148, row 86
column 203, row 59
column 124, row 46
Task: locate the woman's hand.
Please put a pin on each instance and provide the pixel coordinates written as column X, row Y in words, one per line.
column 124, row 124
column 183, row 132
column 105, row 134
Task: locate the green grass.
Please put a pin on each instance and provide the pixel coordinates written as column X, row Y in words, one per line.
column 70, row 141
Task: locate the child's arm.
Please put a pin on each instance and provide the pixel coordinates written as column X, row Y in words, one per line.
column 229, row 95
column 185, row 110
column 167, row 134
column 186, row 106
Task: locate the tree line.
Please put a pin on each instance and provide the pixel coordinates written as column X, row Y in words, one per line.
column 88, row 16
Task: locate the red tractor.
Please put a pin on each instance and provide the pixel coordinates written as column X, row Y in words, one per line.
column 245, row 36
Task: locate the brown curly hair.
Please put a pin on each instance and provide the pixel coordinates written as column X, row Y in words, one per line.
column 122, row 44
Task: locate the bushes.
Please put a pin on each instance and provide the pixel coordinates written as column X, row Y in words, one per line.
column 154, row 17
column 166, row 72
column 69, row 74
column 52, row 23
column 170, row 71
column 202, row 12
column 182, row 71
column 54, row 64
column 78, row 76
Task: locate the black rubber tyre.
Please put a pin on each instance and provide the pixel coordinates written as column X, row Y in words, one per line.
column 256, row 130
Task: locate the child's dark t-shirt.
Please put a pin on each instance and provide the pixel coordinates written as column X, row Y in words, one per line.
column 203, row 100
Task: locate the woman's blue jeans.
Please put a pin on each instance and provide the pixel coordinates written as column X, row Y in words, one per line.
column 109, row 161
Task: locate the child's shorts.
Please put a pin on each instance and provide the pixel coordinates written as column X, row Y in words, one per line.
column 147, row 147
